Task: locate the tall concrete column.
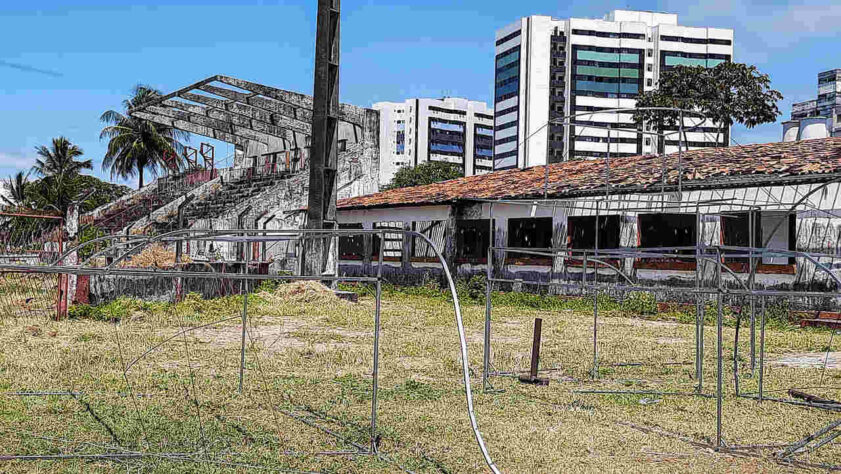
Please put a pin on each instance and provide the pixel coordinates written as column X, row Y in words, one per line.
column 321, row 210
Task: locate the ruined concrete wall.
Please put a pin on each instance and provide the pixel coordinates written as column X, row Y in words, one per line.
column 280, row 206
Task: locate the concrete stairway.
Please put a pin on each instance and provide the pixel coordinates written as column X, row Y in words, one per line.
column 115, row 219
column 229, row 196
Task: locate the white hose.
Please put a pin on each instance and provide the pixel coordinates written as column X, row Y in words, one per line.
column 465, row 367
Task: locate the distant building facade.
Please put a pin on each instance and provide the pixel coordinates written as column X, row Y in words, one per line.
column 819, row 118
column 450, row 130
column 548, row 68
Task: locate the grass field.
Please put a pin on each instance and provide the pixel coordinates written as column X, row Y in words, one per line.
column 308, row 364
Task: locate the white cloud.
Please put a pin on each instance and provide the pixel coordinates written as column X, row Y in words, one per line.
column 818, row 19
column 776, row 26
column 14, row 161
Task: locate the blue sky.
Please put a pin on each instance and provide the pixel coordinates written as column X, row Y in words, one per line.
column 61, row 66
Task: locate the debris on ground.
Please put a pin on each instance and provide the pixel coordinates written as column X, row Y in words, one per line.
column 154, row 256
column 302, row 292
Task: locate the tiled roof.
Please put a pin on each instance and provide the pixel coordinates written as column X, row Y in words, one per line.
column 808, row 160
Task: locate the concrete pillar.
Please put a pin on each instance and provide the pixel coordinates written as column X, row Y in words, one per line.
column 450, row 228
column 368, row 249
column 406, row 253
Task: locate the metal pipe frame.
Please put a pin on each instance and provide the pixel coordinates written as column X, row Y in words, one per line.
column 702, row 253
column 245, row 277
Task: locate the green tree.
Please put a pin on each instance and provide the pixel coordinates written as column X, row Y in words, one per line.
column 425, row 173
column 726, row 94
column 15, row 190
column 59, row 167
column 60, row 159
column 136, row 145
column 98, row 192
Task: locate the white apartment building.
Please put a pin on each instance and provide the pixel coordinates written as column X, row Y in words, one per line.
column 548, row 68
column 451, row 130
column 820, row 118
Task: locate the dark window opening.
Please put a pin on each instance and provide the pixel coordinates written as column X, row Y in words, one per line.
column 532, row 233
column 351, row 247
column 735, row 230
column 792, row 236
column 668, row 230
column 473, row 237
column 581, row 232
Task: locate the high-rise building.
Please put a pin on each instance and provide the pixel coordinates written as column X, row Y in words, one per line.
column 817, row 118
column 548, row 68
column 450, row 130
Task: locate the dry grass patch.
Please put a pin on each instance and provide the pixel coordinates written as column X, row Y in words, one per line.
column 307, row 349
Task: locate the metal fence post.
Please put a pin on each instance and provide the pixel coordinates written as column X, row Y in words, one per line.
column 762, row 351
column 376, row 372
column 244, row 290
column 719, row 355
column 486, row 356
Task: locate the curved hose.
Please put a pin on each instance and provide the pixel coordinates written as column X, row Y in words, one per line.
column 464, row 364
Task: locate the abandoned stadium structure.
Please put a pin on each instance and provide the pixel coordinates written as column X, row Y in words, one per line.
column 266, row 186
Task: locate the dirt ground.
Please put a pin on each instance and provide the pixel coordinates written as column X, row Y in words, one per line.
column 162, row 385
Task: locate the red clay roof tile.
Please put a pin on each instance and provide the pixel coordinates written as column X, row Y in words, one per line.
column 764, row 163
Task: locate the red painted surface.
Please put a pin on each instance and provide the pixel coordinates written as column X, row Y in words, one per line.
column 83, row 290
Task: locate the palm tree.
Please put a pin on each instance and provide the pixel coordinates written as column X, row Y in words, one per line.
column 16, row 189
column 60, row 160
column 59, row 168
column 136, row 145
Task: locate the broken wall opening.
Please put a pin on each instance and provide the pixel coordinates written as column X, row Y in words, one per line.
column 667, row 230
column 473, row 237
column 530, row 233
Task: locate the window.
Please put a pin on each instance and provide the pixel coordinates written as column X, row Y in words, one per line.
column 647, row 141
column 532, row 233
column 421, row 250
column 723, row 42
column 649, row 82
column 447, row 111
column 784, row 236
column 668, row 230
column 351, row 247
column 342, row 145
column 393, row 242
column 508, row 37
column 581, row 232
column 649, row 67
column 473, row 237
column 650, row 53
column 735, row 230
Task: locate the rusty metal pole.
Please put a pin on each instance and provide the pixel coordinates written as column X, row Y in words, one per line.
column 532, row 377
column 323, row 160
